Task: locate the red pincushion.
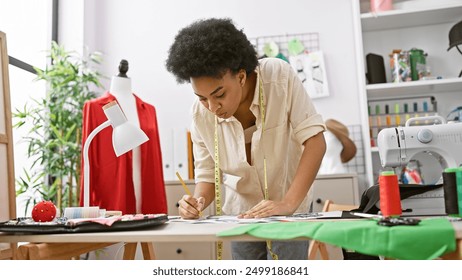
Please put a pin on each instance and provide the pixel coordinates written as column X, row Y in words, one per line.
column 44, row 211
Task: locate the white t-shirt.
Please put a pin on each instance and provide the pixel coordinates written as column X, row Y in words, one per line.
column 290, row 120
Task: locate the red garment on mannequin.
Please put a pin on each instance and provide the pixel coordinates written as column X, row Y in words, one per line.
column 111, row 177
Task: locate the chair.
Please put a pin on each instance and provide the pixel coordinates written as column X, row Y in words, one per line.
column 315, row 245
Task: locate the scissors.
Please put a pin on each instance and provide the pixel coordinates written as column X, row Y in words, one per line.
column 399, row 221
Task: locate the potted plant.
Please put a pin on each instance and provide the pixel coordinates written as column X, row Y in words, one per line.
column 54, row 140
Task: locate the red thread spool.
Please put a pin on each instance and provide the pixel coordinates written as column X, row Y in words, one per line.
column 390, row 200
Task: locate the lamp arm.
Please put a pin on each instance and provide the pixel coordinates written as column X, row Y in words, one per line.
column 86, row 163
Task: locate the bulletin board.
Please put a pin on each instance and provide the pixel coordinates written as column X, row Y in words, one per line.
column 302, row 52
column 7, row 186
column 310, row 41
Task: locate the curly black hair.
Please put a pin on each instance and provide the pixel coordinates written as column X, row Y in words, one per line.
column 209, row 48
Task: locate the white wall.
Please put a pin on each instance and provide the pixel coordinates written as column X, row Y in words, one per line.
column 71, row 25
column 141, row 31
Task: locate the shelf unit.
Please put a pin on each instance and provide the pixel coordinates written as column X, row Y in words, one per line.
column 412, row 23
column 375, row 91
column 411, row 17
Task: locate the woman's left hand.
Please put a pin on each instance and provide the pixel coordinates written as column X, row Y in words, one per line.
column 266, row 208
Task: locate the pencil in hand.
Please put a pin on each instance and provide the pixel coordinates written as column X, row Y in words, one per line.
column 186, row 190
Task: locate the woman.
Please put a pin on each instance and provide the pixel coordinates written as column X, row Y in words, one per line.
column 254, row 122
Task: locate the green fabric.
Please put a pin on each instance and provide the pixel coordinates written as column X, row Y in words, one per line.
column 281, row 56
column 428, row 240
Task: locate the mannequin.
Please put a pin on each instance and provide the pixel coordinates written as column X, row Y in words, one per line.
column 331, row 163
column 133, row 182
column 340, row 148
column 121, row 89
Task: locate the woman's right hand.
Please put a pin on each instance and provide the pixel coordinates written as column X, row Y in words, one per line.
column 190, row 207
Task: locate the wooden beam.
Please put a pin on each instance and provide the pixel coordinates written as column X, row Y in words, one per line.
column 3, row 139
column 56, row 251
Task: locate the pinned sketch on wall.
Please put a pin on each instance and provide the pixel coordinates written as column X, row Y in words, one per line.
column 310, row 68
column 302, row 65
column 303, row 53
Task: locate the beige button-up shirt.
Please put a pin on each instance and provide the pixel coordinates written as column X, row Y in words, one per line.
column 290, row 120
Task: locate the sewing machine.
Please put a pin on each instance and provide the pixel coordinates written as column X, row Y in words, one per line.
column 398, row 145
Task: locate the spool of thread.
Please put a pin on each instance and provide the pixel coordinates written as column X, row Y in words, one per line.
column 388, row 120
column 450, row 191
column 459, row 188
column 397, row 120
column 425, row 106
column 83, row 212
column 387, row 117
column 397, row 116
column 390, row 199
column 379, row 123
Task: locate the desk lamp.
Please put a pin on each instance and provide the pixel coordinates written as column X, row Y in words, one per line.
column 125, row 137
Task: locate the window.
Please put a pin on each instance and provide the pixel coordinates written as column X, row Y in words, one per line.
column 27, row 24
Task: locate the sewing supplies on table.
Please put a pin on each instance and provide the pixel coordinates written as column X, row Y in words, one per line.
column 390, row 201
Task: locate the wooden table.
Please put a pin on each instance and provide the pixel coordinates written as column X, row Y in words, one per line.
column 169, row 232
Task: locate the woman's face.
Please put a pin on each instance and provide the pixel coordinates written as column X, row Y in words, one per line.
column 220, row 96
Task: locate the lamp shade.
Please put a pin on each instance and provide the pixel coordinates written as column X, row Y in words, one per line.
column 126, row 137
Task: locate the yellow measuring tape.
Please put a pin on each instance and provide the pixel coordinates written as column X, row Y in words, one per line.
column 219, row 244
column 265, row 174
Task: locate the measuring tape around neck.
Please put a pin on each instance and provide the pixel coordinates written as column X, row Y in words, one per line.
column 262, row 115
column 265, row 174
column 219, row 244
